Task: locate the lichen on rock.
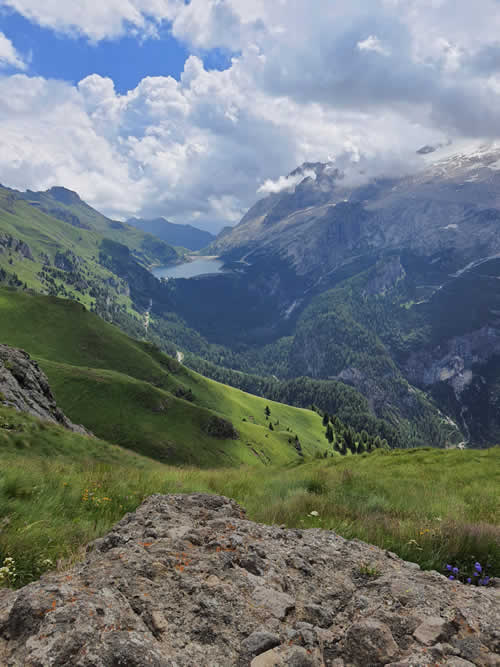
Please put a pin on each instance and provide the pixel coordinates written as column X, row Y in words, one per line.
column 188, row 580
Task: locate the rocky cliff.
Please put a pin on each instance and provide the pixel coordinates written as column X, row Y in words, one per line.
column 24, row 386
column 188, row 580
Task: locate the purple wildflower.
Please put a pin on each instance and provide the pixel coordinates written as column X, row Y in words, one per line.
column 449, row 568
column 451, row 577
column 478, row 567
column 469, row 580
column 455, row 570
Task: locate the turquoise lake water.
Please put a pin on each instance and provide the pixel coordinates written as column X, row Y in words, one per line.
column 198, row 267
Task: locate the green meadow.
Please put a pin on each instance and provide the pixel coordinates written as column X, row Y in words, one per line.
column 129, row 393
column 59, row 491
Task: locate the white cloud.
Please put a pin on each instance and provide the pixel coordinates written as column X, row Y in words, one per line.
column 373, row 43
column 97, row 19
column 289, row 182
column 383, row 79
column 9, row 57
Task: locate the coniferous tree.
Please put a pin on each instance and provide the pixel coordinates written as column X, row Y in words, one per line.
column 326, row 419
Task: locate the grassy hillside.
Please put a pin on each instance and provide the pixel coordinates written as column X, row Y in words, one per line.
column 130, row 393
column 59, row 490
column 67, row 206
column 62, row 249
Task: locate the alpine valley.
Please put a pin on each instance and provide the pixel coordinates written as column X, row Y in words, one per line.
column 375, row 300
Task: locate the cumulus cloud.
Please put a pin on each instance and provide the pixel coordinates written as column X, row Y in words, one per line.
column 97, row 19
column 383, row 79
column 9, row 57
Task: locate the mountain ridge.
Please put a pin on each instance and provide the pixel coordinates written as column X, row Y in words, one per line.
column 184, row 235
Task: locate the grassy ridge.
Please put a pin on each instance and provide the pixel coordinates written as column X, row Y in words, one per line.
column 59, row 490
column 129, row 393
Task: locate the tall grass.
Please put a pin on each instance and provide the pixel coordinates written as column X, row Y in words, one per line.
column 429, row 506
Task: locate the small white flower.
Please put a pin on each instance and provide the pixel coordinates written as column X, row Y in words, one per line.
column 314, row 513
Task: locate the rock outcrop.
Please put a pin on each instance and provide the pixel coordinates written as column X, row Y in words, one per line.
column 24, row 386
column 186, row 580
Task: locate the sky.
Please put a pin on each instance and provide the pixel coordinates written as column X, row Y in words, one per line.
column 193, row 110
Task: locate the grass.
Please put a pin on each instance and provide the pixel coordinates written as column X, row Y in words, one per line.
column 59, row 490
column 127, row 391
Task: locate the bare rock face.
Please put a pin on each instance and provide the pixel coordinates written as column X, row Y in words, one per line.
column 187, row 580
column 24, row 386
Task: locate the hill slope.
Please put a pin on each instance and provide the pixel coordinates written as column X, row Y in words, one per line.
column 67, row 206
column 130, row 393
column 57, row 256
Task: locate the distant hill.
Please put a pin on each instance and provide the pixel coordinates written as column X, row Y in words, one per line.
column 186, row 236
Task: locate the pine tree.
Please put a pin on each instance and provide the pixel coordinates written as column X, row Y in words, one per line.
column 326, row 419
column 271, row 427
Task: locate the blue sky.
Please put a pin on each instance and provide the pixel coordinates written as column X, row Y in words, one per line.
column 194, row 110
column 127, row 60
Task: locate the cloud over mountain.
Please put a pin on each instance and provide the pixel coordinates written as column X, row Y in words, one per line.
column 372, row 81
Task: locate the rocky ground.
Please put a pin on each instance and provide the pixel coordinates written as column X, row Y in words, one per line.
column 187, row 580
column 24, row 386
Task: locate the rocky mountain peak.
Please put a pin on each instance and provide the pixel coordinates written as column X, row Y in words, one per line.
column 188, row 580
column 64, row 196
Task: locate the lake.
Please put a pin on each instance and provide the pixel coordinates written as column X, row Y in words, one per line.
column 197, row 267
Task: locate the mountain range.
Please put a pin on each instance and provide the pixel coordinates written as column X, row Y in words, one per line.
column 185, row 236
column 410, row 263
column 338, row 290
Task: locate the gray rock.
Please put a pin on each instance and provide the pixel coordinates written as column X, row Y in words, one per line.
column 432, row 630
column 168, row 600
column 24, row 386
column 276, row 603
column 259, row 642
column 370, row 643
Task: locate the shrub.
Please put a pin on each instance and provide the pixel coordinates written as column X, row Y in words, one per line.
column 220, row 428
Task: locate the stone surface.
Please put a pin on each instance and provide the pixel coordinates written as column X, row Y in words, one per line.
column 370, row 642
column 259, row 642
column 431, row 630
column 24, row 386
column 184, row 597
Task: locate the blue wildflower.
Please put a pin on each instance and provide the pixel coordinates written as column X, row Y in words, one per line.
column 449, row 568
column 469, row 580
column 455, row 570
column 478, row 567
column 451, row 577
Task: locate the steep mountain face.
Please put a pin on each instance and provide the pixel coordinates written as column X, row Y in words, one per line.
column 185, row 236
column 398, row 280
column 321, row 223
column 188, row 580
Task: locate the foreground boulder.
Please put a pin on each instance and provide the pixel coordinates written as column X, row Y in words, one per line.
column 186, row 580
column 24, row 386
